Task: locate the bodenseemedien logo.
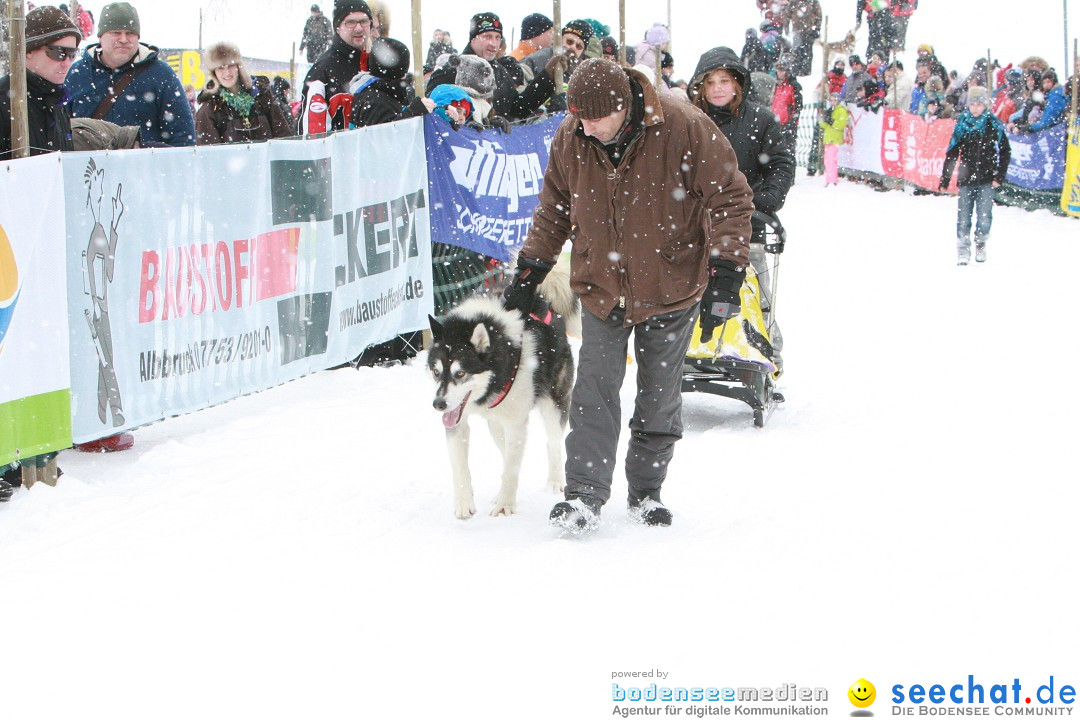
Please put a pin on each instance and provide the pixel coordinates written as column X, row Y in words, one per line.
column 862, row 695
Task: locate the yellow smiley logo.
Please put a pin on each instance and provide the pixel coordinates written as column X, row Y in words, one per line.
column 862, row 693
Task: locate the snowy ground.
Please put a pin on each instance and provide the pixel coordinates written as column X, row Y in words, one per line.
column 907, row 516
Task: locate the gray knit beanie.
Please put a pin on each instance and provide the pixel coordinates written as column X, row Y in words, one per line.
column 119, row 16
column 978, row 94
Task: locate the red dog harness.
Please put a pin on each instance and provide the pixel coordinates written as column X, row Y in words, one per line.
column 510, row 383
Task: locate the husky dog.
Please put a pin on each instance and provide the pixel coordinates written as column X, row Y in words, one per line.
column 495, row 363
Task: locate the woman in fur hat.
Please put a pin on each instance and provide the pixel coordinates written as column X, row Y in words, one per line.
column 234, row 109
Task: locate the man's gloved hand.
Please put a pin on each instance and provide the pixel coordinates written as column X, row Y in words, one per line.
column 828, row 116
column 721, row 299
column 500, row 123
column 555, row 68
column 521, row 295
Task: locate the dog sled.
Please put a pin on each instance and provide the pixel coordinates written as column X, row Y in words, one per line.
column 739, row 361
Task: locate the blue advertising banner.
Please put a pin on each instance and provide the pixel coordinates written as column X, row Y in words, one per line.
column 484, row 184
column 1038, row 159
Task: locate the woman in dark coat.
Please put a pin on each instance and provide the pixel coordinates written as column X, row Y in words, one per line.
column 233, row 108
column 720, row 87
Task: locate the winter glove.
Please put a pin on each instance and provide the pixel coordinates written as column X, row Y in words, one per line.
column 721, row 299
column 521, row 295
column 500, row 123
column 767, row 201
column 829, row 116
column 556, row 67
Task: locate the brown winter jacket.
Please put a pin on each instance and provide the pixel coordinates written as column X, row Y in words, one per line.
column 642, row 232
column 217, row 124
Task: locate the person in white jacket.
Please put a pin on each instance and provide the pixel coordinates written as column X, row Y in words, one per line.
column 898, row 86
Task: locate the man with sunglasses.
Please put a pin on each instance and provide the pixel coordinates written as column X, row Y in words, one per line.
column 485, row 40
column 575, row 38
column 326, row 97
column 122, row 80
column 52, row 41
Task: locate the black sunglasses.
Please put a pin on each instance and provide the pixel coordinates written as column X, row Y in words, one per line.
column 60, row 53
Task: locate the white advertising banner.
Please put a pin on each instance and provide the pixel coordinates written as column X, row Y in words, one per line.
column 862, row 146
column 202, row 274
column 34, row 401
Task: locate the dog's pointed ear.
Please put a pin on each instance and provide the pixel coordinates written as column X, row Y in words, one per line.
column 436, row 327
column 480, row 338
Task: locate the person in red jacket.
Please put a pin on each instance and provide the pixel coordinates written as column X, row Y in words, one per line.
column 787, row 101
column 837, row 77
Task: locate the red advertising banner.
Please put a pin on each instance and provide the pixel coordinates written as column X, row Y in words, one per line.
column 913, row 149
column 893, row 141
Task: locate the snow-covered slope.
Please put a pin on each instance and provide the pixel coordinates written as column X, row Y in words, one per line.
column 909, row 512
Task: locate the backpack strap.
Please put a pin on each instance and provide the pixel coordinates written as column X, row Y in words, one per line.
column 114, row 91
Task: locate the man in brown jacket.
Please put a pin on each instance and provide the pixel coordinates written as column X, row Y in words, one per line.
column 658, row 214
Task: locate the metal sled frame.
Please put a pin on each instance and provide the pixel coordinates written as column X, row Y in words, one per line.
column 741, row 379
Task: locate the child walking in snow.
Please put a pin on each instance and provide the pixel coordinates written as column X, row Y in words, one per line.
column 980, row 144
column 832, row 124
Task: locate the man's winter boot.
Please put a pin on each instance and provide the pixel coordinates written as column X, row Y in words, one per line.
column 649, row 511
column 980, row 252
column 576, row 515
column 10, row 478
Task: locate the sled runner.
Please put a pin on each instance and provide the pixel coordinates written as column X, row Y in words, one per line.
column 739, row 362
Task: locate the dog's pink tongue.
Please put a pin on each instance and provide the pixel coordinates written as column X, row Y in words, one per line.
column 451, row 418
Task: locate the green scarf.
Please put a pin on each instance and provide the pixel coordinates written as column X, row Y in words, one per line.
column 241, row 102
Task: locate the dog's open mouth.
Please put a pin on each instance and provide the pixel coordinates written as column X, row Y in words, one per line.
column 451, row 418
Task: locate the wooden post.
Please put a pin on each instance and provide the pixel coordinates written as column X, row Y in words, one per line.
column 1065, row 31
column 557, row 46
column 1075, row 85
column 292, row 73
column 622, row 32
column 20, row 132
column 815, row 163
column 671, row 43
column 824, row 62
column 28, row 473
column 417, row 50
column 556, row 35
column 896, row 84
